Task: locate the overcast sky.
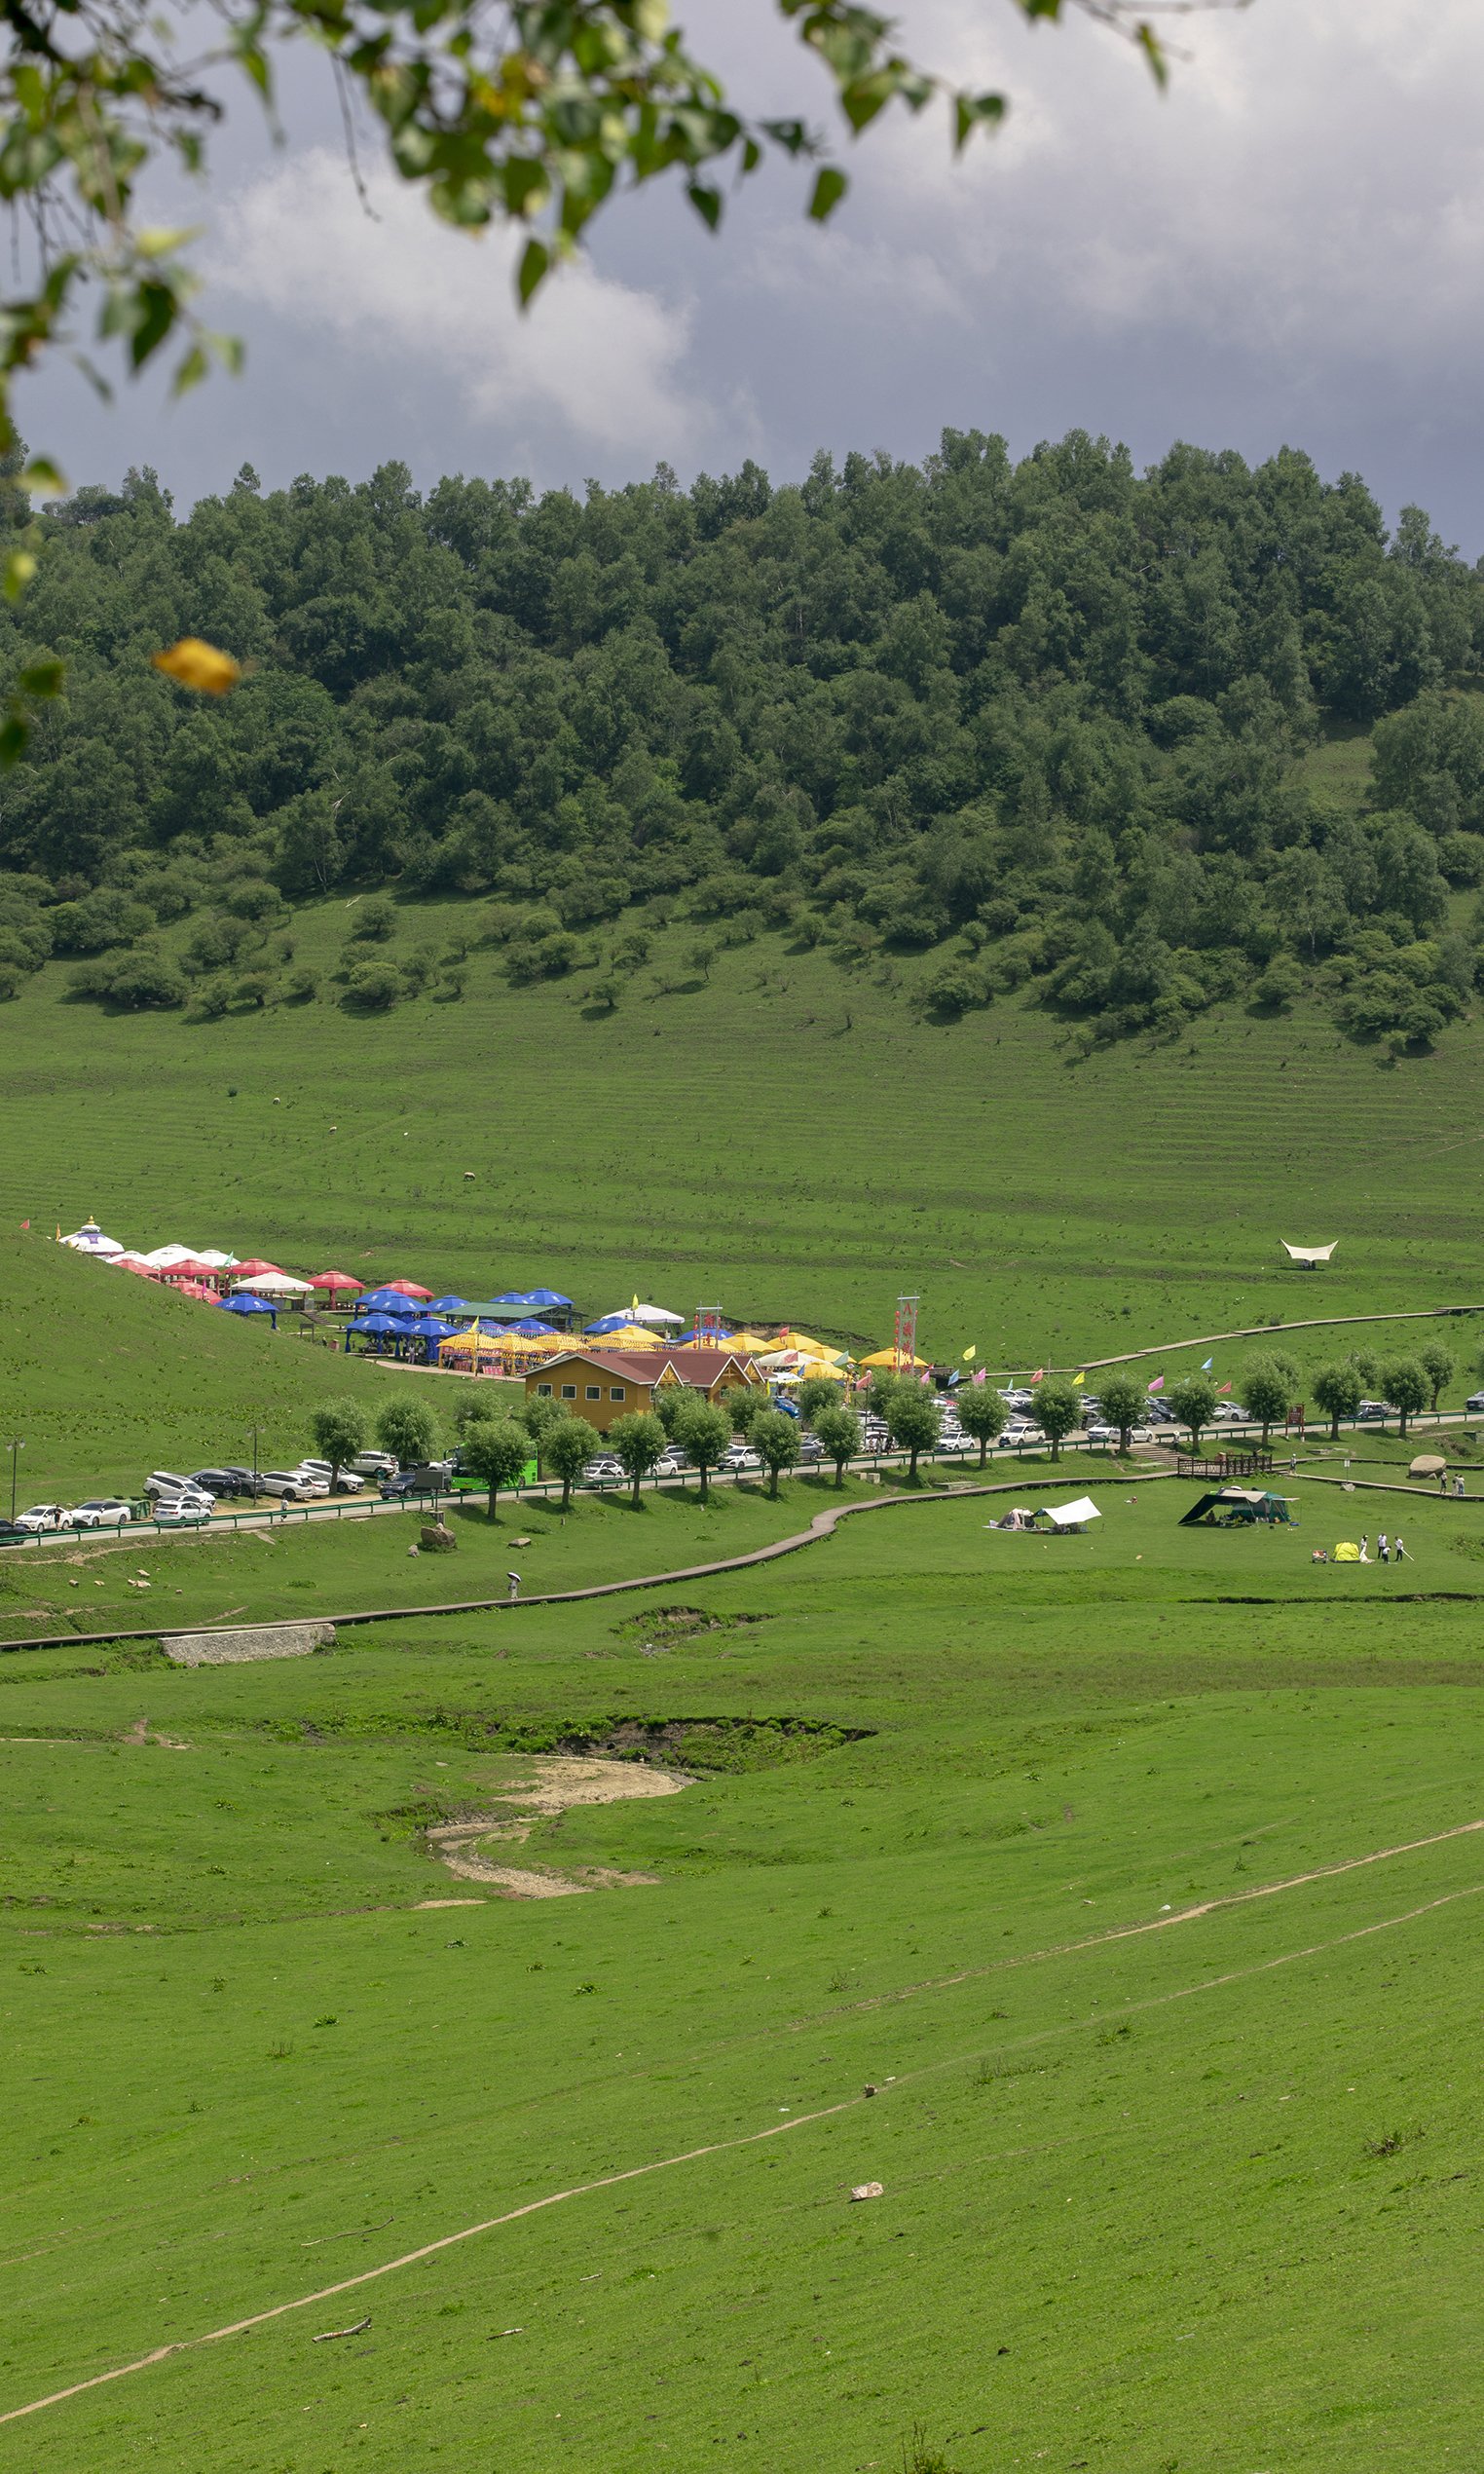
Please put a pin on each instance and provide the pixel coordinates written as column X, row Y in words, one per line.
column 1286, row 247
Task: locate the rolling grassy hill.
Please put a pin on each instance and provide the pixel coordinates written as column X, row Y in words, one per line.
column 107, row 1377
column 785, row 1139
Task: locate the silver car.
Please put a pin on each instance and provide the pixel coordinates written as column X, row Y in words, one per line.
column 101, row 1511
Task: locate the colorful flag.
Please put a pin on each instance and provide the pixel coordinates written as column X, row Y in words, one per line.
column 1158, row 1385
column 1206, row 1366
column 1078, row 1380
column 1039, row 1376
column 1224, row 1387
column 981, row 1374
column 970, row 1353
column 26, row 1224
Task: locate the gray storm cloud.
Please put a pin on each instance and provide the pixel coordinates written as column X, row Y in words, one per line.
column 1288, row 247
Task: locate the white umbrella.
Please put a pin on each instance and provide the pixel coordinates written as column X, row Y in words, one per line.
column 217, row 1260
column 653, row 1315
column 91, row 1240
column 165, row 1258
column 273, row 1284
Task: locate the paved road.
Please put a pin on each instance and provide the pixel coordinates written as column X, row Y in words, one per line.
column 361, row 1508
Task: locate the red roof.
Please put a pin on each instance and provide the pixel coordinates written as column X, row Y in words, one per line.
column 701, row 1367
column 255, row 1267
column 338, row 1280
column 407, row 1288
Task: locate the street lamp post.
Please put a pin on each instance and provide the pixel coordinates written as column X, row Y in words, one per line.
column 15, row 1447
column 252, row 1430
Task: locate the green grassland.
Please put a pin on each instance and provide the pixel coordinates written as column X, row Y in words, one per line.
column 788, row 1138
column 107, row 1376
column 937, row 1770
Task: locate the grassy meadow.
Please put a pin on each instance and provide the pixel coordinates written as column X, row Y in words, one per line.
column 784, row 1138
column 956, row 1795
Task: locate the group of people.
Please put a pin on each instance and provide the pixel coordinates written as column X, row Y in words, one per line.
column 1387, row 1551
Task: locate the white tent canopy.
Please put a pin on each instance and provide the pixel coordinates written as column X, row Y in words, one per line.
column 91, row 1240
column 216, row 1258
column 1071, row 1515
column 655, row 1315
column 165, row 1258
column 1309, row 1256
column 273, row 1284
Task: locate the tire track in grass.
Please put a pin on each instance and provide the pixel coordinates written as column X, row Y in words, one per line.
column 848, row 2104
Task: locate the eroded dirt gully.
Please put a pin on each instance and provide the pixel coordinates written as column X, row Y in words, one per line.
column 556, row 1784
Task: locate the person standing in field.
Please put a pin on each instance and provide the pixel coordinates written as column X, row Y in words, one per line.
column 1365, row 1543
column 1400, row 1552
column 1458, row 1488
column 1381, row 1547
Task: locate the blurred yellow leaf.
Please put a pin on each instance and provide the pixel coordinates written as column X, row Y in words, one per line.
column 193, row 663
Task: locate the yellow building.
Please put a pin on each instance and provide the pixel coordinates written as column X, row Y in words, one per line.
column 606, row 1384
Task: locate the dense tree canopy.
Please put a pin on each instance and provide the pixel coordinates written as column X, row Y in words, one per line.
column 1042, row 717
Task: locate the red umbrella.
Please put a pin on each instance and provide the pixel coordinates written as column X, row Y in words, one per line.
column 188, row 1268
column 135, row 1262
column 194, row 1289
column 253, row 1269
column 333, row 1280
column 407, row 1288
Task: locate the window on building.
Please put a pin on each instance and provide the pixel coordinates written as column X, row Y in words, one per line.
column 617, row 1393
column 595, row 1391
column 568, row 1390
column 544, row 1391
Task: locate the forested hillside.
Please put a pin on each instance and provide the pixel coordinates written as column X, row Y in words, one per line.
column 1047, row 718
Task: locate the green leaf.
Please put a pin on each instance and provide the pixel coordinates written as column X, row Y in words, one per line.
column 20, row 568
column 42, row 478
column 969, row 111
column 828, row 189
column 14, row 735
column 42, row 678
column 535, row 262
column 706, row 201
column 193, row 369
column 1154, row 51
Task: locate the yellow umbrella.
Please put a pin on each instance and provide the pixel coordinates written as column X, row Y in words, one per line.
column 888, row 1357
column 629, row 1335
column 475, row 1345
column 746, row 1344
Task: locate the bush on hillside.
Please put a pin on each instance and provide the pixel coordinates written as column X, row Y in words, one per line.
column 374, row 988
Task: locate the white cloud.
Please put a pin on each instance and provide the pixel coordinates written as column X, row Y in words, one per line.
column 421, row 305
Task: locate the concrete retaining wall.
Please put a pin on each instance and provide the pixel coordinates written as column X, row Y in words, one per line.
column 248, row 1640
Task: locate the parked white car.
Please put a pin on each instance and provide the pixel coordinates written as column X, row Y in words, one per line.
column 42, row 1515
column 184, row 1512
column 289, row 1485
column 101, row 1511
column 375, row 1464
column 601, row 1471
column 349, row 1482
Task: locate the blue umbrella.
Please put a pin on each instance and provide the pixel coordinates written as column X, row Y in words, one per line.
column 534, row 1297
column 378, row 1323
column 449, row 1306
column 391, row 1302
column 608, row 1323
column 532, row 1330
column 244, row 1304
column 695, row 1340
column 427, row 1327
